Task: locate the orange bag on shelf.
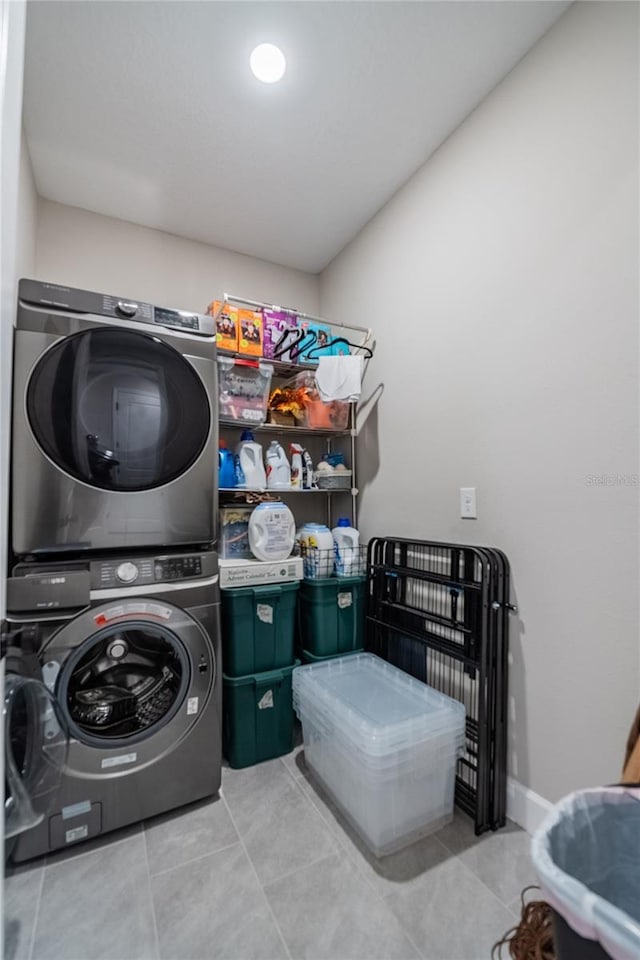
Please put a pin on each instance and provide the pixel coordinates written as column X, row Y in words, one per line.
column 250, row 326
column 226, row 325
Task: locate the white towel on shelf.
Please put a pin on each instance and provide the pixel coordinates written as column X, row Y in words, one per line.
column 340, row 378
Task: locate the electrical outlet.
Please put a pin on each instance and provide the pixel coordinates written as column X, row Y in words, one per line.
column 468, row 503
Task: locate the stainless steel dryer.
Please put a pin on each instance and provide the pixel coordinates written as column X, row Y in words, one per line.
column 136, row 676
column 114, row 424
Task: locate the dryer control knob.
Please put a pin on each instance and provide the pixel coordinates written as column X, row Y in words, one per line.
column 127, row 309
column 127, row 572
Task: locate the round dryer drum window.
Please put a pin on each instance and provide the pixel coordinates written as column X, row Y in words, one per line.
column 117, row 409
column 124, row 682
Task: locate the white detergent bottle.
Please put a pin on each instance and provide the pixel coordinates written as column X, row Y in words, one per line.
column 346, row 543
column 249, row 466
column 297, row 474
column 278, row 469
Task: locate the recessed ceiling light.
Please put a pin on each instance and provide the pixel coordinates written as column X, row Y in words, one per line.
column 268, row 63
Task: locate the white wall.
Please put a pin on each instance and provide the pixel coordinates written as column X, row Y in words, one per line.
column 93, row 252
column 27, row 215
column 16, row 219
column 502, row 282
column 12, row 31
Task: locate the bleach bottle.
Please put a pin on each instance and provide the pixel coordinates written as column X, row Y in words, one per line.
column 346, row 544
column 278, row 468
column 250, row 472
column 226, row 466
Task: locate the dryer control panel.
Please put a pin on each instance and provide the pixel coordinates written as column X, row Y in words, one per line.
column 57, row 297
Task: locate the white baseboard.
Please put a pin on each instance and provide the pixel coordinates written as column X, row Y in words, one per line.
column 525, row 807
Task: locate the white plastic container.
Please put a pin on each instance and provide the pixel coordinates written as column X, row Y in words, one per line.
column 272, row 531
column 250, row 471
column 346, row 542
column 278, row 468
column 384, row 745
column 316, row 546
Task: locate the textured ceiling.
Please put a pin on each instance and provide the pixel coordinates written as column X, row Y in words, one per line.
column 148, row 111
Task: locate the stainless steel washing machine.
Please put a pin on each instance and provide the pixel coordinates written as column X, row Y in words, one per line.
column 136, row 676
column 114, row 424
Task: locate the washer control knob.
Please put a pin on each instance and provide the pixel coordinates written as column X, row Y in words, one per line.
column 127, row 309
column 127, row 572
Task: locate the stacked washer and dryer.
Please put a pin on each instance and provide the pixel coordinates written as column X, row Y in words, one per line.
column 113, row 596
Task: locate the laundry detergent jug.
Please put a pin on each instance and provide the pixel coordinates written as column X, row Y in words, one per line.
column 346, row 543
column 226, row 466
column 272, row 531
column 278, row 468
column 250, row 472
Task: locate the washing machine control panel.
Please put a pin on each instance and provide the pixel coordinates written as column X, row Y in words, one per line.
column 143, row 571
column 178, row 568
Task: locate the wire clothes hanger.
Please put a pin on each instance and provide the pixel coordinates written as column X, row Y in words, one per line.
column 296, row 341
column 294, row 347
column 368, row 352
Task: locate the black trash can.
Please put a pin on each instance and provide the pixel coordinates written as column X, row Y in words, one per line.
column 587, row 857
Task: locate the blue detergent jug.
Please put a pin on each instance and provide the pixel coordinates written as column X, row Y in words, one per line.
column 226, row 466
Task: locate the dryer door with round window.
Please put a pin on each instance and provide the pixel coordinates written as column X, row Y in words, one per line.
column 111, row 408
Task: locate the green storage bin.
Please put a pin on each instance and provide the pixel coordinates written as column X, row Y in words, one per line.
column 307, row 657
column 257, row 717
column 331, row 616
column 258, row 628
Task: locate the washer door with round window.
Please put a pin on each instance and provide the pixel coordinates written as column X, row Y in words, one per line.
column 131, row 680
column 114, row 436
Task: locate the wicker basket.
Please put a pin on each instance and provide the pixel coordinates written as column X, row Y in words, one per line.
column 334, row 481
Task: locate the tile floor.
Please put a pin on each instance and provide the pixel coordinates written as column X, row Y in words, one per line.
column 269, row 870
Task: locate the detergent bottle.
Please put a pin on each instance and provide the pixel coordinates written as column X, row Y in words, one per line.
column 346, row 545
column 250, row 472
column 278, row 469
column 226, row 466
column 297, row 469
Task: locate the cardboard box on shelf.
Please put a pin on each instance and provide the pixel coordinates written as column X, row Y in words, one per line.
column 252, row 573
column 234, row 533
column 276, row 324
column 319, row 346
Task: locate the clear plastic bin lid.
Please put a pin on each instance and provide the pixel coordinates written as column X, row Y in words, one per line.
column 376, row 706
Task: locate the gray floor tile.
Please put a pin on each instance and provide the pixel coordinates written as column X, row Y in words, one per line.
column 214, row 909
column 532, row 893
column 280, row 827
column 451, row 914
column 98, row 843
column 459, row 835
column 97, row 907
column 294, row 761
column 188, row 833
column 502, row 860
column 22, row 888
column 328, row 910
column 403, row 869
